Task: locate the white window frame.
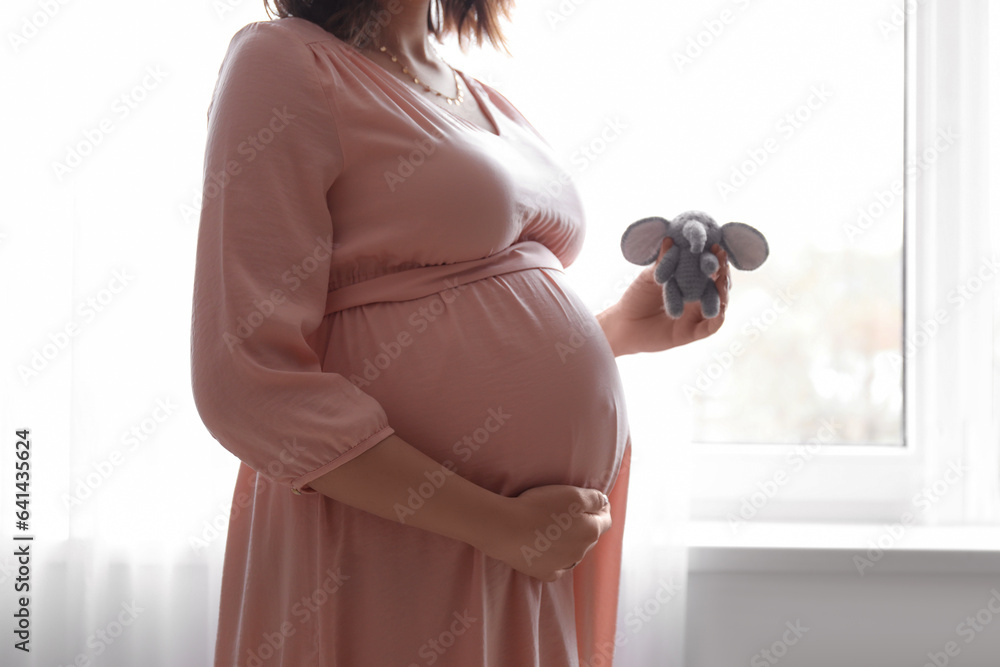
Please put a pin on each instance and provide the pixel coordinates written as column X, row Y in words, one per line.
column 948, row 417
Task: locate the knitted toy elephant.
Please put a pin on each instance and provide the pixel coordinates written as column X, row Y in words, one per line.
column 685, row 268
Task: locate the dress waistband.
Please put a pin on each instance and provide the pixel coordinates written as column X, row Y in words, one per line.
column 426, row 280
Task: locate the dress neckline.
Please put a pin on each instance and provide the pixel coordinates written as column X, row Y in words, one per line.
column 496, row 132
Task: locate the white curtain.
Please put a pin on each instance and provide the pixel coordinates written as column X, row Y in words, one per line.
column 106, row 116
column 653, row 597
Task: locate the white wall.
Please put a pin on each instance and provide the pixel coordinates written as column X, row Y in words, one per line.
column 908, row 605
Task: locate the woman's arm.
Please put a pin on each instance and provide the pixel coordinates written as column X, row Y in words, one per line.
column 610, row 324
column 384, row 480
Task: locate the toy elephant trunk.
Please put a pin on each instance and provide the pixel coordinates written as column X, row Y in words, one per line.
column 696, row 234
column 687, row 276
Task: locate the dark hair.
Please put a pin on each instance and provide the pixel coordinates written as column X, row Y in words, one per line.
column 356, row 21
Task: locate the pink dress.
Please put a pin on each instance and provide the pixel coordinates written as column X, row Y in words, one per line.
column 371, row 263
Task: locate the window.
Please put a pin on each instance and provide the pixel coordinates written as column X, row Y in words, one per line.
column 796, row 124
column 947, row 471
column 847, row 406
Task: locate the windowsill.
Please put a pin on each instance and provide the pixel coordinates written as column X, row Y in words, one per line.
column 837, row 548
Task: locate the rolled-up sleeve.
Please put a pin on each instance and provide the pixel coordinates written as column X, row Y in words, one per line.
column 262, row 268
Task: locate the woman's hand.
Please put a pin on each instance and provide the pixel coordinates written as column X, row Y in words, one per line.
column 639, row 323
column 547, row 530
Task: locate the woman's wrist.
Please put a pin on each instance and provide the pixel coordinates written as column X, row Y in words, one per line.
column 488, row 522
column 610, row 321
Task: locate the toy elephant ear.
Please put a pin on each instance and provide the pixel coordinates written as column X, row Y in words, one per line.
column 746, row 247
column 641, row 240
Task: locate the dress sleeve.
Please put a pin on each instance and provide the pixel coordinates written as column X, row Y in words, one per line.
column 262, row 268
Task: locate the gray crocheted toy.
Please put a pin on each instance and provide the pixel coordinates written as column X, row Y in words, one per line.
column 685, row 269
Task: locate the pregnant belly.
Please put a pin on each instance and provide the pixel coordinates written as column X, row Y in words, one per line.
column 508, row 380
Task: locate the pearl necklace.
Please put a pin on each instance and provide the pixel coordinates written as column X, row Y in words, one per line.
column 457, row 100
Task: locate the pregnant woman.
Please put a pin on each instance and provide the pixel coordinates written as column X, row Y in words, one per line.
column 431, row 425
